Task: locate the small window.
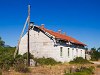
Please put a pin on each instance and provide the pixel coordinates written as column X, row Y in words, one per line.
column 72, row 51
column 77, row 52
column 81, row 52
column 61, row 51
column 68, row 52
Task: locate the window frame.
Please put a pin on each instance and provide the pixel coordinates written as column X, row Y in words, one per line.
column 61, row 51
column 68, row 52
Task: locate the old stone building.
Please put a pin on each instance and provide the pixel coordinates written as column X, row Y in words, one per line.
column 47, row 43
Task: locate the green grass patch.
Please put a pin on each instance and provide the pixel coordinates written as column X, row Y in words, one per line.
column 46, row 61
column 79, row 60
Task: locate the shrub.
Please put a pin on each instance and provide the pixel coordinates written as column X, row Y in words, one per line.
column 79, row 60
column 6, row 57
column 46, row 61
column 77, row 73
column 0, row 72
column 95, row 55
column 68, row 74
column 6, row 67
column 25, row 56
column 21, row 68
column 87, row 70
column 83, row 71
column 20, row 65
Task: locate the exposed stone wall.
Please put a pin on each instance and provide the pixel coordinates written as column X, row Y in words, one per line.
column 43, row 46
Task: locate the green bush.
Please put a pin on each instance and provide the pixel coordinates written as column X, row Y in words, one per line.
column 0, row 72
column 6, row 57
column 21, row 68
column 87, row 70
column 68, row 74
column 6, row 67
column 19, row 64
column 46, row 61
column 77, row 73
column 25, row 55
column 82, row 71
column 79, row 60
column 95, row 54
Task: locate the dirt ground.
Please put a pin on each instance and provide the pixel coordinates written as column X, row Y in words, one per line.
column 51, row 70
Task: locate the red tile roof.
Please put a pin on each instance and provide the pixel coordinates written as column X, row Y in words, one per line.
column 61, row 36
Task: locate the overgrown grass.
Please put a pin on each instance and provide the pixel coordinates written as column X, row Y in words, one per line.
column 83, row 71
column 46, row 61
column 77, row 73
column 6, row 57
column 19, row 65
column 0, row 72
column 79, row 60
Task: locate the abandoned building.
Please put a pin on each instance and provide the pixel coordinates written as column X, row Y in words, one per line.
column 49, row 44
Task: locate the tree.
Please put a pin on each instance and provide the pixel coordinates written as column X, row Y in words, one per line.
column 2, row 43
column 6, row 57
column 98, row 49
column 93, row 49
column 95, row 54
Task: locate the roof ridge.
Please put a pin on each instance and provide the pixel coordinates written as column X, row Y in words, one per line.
column 61, row 36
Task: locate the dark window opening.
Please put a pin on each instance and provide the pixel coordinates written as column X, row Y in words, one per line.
column 68, row 52
column 61, row 51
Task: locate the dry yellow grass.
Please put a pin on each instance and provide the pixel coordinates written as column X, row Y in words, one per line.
column 48, row 70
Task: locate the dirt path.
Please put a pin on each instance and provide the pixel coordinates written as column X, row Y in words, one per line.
column 96, row 62
column 97, row 72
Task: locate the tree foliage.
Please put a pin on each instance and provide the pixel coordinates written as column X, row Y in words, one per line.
column 95, row 54
column 6, row 57
column 2, row 43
